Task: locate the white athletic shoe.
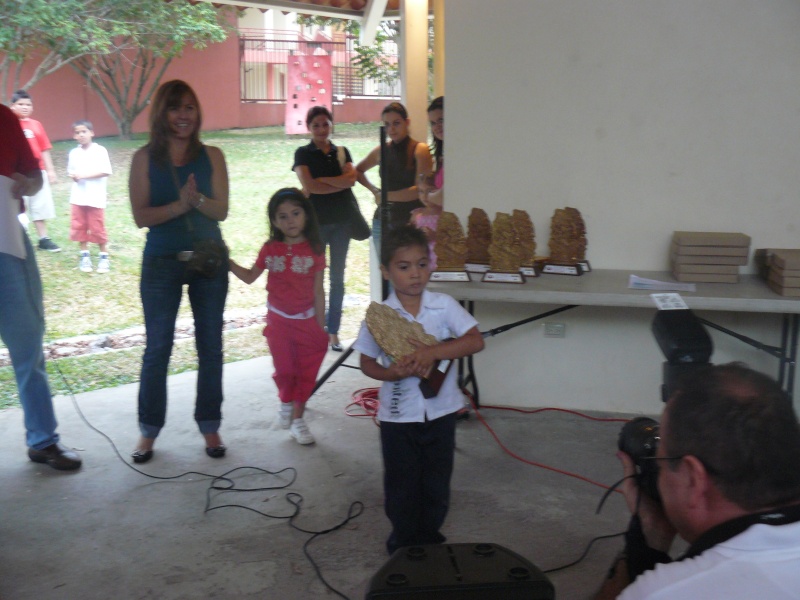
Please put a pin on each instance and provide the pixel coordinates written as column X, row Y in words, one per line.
column 85, row 264
column 300, row 432
column 104, row 264
column 285, row 415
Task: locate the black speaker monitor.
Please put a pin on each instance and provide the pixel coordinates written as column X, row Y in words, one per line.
column 459, row 572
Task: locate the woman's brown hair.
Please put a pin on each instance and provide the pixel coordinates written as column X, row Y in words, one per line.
column 168, row 96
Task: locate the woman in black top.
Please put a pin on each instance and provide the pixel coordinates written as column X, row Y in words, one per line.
column 406, row 160
column 327, row 175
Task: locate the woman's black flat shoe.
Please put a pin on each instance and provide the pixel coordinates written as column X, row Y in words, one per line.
column 217, row 452
column 337, row 347
column 141, row 457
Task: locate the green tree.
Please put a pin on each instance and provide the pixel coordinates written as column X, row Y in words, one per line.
column 48, row 35
column 145, row 36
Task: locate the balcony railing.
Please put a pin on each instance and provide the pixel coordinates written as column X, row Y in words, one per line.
column 263, row 60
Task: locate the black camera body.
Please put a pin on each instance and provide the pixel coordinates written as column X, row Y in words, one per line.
column 639, row 439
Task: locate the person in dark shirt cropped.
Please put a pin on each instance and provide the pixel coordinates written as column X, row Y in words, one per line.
column 22, row 313
column 327, row 176
column 406, row 160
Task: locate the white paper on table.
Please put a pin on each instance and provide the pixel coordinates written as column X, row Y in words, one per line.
column 669, row 301
column 10, row 229
column 640, row 283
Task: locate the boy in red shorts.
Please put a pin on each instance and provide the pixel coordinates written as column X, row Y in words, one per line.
column 89, row 167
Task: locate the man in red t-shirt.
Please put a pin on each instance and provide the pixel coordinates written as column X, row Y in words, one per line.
column 39, row 205
column 21, row 307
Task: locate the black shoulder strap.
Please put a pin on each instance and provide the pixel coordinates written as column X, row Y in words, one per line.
column 725, row 531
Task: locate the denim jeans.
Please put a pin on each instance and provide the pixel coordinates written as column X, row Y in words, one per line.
column 337, row 236
column 22, row 331
column 161, row 289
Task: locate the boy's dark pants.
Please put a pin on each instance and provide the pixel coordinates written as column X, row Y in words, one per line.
column 418, row 463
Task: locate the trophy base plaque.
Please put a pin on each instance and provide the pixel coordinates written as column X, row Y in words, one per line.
column 529, row 271
column 563, row 268
column 587, row 268
column 449, row 276
column 503, row 277
column 477, row 267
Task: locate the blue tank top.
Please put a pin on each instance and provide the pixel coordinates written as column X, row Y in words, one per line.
column 180, row 233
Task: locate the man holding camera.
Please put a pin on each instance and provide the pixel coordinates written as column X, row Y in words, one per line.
column 729, row 484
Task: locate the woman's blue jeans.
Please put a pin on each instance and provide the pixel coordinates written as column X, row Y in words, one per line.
column 337, row 237
column 22, row 330
column 161, row 289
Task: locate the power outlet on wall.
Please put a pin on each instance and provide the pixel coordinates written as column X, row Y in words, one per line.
column 555, row 330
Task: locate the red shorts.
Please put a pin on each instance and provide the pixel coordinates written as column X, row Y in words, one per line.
column 88, row 225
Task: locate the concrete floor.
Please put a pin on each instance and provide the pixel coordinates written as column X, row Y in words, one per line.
column 108, row 531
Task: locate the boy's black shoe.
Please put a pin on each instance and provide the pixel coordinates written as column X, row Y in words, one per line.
column 47, row 244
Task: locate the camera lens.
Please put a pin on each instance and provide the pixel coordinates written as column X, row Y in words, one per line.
column 639, row 439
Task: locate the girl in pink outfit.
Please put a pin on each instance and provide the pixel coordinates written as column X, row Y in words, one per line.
column 431, row 188
column 295, row 258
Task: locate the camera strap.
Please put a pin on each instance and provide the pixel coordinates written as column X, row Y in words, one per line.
column 639, row 556
column 729, row 529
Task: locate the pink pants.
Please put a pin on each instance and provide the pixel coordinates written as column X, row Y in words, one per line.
column 87, row 224
column 298, row 347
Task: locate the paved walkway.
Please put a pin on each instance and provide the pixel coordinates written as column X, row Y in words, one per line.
column 108, row 531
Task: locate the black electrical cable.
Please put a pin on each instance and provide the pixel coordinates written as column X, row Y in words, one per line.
column 224, row 483
column 296, row 500
column 585, row 552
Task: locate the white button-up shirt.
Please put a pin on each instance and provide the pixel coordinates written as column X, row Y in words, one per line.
column 402, row 401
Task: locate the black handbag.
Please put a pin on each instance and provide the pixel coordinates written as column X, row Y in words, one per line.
column 359, row 228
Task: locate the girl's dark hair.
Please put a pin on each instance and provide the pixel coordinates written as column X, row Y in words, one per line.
column 168, row 96
column 395, row 107
column 438, row 145
column 315, row 111
column 296, row 197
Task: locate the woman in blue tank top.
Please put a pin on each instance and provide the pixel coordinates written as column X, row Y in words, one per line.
column 179, row 191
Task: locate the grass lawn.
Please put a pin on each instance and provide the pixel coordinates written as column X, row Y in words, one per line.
column 259, row 162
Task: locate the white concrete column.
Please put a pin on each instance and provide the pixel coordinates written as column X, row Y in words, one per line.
column 414, row 64
column 438, row 48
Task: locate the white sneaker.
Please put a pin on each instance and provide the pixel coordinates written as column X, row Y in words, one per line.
column 300, row 432
column 85, row 264
column 104, row 264
column 285, row 415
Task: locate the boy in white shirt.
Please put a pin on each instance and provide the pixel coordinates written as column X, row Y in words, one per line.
column 89, row 167
column 417, row 433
